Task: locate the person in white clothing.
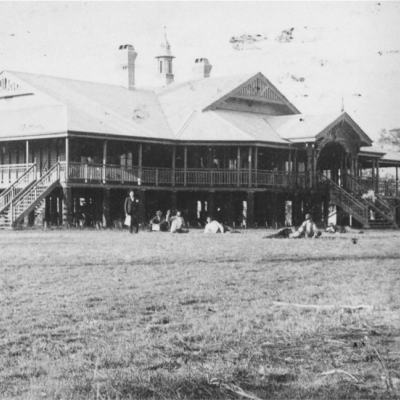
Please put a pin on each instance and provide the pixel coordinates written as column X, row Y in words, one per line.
column 213, row 226
column 308, row 229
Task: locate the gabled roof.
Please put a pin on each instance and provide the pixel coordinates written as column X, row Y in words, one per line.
column 308, row 128
column 180, row 100
column 229, row 126
column 103, row 109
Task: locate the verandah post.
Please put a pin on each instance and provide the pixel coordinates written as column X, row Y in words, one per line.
column 184, row 165
column 377, row 176
column 238, row 166
column 104, row 160
column 140, row 157
column 173, row 164
column 66, row 159
column 256, row 166
column 250, row 166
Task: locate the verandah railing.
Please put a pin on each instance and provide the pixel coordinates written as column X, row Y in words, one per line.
column 99, row 173
column 9, row 173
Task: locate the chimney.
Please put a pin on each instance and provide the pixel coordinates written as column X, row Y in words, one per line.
column 201, row 68
column 126, row 57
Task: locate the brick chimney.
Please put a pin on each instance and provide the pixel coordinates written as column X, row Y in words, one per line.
column 126, row 57
column 201, row 68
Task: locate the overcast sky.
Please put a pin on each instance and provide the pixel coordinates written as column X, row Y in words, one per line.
column 348, row 50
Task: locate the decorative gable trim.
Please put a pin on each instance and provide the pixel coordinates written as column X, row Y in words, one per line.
column 346, row 117
column 257, row 88
column 11, row 87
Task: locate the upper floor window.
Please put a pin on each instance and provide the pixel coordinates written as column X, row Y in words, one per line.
column 160, row 66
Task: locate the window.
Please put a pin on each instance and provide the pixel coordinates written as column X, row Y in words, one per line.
column 160, row 66
column 170, row 66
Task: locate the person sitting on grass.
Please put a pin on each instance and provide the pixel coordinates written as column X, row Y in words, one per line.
column 332, row 228
column 283, row 233
column 213, row 226
column 177, row 224
column 159, row 223
column 308, row 229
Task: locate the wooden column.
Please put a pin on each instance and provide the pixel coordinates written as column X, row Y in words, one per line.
column 310, row 165
column 373, row 173
column 377, row 176
column 250, row 209
column 173, row 164
column 174, row 202
column 211, row 204
column 250, row 165
column 231, row 210
column 142, row 206
column 256, row 167
column 184, row 165
column 140, row 161
column 397, row 181
column 66, row 159
column 106, row 208
column 66, row 206
column 27, row 152
column 104, row 161
column 238, row 166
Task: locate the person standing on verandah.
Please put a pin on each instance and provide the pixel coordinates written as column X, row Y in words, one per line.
column 131, row 209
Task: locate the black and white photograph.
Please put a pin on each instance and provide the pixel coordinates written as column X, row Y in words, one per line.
column 199, row 200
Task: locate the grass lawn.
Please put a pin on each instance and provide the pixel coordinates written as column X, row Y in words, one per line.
column 107, row 315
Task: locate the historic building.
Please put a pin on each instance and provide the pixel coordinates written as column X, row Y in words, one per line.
column 233, row 147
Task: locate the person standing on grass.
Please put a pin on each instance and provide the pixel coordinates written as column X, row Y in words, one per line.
column 131, row 209
column 308, row 229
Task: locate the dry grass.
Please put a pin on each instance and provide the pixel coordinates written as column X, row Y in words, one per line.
column 108, row 315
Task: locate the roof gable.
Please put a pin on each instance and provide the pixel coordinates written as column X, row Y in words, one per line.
column 257, row 89
column 310, row 128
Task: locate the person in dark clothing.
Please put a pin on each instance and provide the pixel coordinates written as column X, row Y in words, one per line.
column 283, row 233
column 159, row 222
column 131, row 209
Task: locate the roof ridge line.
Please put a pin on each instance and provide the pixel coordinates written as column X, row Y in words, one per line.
column 185, row 124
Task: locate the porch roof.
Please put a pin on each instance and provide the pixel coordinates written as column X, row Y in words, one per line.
column 303, row 128
column 229, row 126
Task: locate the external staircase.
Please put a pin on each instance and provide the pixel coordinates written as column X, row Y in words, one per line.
column 19, row 201
column 350, row 198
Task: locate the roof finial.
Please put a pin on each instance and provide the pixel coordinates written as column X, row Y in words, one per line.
column 342, row 103
column 165, row 35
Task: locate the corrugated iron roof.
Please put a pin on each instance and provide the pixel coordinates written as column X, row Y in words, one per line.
column 104, row 109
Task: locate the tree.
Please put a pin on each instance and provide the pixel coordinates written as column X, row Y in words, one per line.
column 390, row 139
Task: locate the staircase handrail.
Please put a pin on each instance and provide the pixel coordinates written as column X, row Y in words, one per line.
column 55, row 168
column 359, row 207
column 9, row 194
column 380, row 205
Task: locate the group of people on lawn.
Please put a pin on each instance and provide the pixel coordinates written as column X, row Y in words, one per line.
column 177, row 224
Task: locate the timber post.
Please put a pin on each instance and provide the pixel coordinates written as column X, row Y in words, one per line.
column 142, row 207
column 140, row 162
column 255, row 166
column 184, row 165
column 106, row 207
column 211, row 204
column 250, row 209
column 173, row 164
column 238, row 166
column 66, row 201
column 104, row 160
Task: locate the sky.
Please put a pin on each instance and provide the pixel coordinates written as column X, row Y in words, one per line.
column 339, row 54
